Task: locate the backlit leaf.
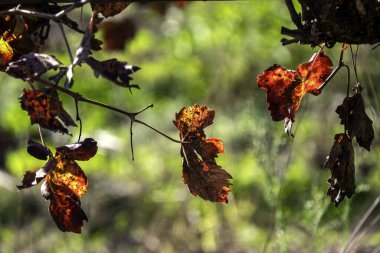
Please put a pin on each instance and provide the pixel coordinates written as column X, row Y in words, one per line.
column 6, row 52
column 45, row 109
column 109, row 9
column 31, row 178
column 204, row 177
column 285, row 88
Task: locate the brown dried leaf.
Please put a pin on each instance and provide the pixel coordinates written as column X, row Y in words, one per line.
column 109, row 9
column 32, row 65
column 80, row 151
column 341, row 164
column 356, row 121
column 32, row 178
column 45, row 109
column 116, row 71
column 64, row 207
column 204, row 177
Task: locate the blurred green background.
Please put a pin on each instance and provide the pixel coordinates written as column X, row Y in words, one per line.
column 208, row 53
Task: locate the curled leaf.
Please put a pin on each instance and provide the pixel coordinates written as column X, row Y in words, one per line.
column 32, row 65
column 204, row 177
column 356, row 121
column 81, row 151
column 32, row 178
column 38, row 150
column 285, row 88
column 45, row 109
column 341, row 164
column 114, row 70
column 64, row 207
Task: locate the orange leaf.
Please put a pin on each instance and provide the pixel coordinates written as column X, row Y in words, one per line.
column 71, row 175
column 45, row 109
column 64, row 207
column 6, row 52
column 285, row 88
column 204, row 177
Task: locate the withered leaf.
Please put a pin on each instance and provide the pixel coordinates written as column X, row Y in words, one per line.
column 32, row 178
column 341, row 164
column 81, row 151
column 204, row 177
column 32, row 65
column 114, row 70
column 285, row 88
column 38, row 150
column 69, row 173
column 64, row 207
column 84, row 49
column 356, row 121
column 6, row 52
column 45, row 109
column 109, row 9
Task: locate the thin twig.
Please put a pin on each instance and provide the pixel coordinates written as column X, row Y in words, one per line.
column 293, row 14
column 354, row 58
column 41, row 136
column 131, row 136
column 56, row 17
column 78, row 119
column 159, row 132
column 66, row 42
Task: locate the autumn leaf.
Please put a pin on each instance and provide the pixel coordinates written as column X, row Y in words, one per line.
column 38, row 150
column 341, row 164
column 45, row 109
column 6, row 52
column 80, row 151
column 64, row 207
column 116, row 71
column 32, row 65
column 109, row 9
column 356, row 121
column 204, row 177
column 285, row 88
column 65, row 183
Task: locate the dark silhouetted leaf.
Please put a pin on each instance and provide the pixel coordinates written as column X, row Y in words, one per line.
column 109, row 9
column 45, row 109
column 32, row 65
column 285, row 88
column 81, row 151
column 341, row 164
column 201, row 173
column 356, row 121
column 31, row 178
column 38, row 150
column 117, row 33
column 84, row 50
column 114, row 70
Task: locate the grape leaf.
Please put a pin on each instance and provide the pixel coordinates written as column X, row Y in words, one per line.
column 32, row 178
column 116, row 71
column 80, row 151
column 341, row 164
column 45, row 109
column 64, row 207
column 285, row 88
column 204, row 177
column 65, row 183
column 356, row 121
column 32, row 65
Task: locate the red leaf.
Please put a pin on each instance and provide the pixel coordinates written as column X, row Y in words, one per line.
column 201, row 173
column 285, row 88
